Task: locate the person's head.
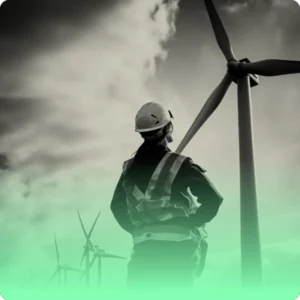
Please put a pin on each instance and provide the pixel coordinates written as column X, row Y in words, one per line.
column 154, row 123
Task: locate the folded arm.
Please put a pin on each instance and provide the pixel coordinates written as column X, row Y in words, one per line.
column 207, row 195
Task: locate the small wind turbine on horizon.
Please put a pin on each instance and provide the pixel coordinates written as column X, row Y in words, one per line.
column 87, row 247
column 242, row 72
column 99, row 254
column 61, row 269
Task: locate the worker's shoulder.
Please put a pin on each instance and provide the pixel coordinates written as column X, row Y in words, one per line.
column 178, row 156
column 188, row 163
column 127, row 162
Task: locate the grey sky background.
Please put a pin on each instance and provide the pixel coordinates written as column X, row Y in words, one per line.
column 72, row 77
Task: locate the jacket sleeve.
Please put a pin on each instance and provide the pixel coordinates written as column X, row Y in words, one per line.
column 203, row 189
column 119, row 207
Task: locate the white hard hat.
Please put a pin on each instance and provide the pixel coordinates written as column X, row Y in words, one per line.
column 152, row 116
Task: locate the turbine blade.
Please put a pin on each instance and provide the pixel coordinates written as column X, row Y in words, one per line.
column 209, row 107
column 219, row 30
column 88, row 242
column 82, row 226
column 92, row 262
column 91, row 231
column 111, row 256
column 83, row 256
column 272, row 67
column 76, row 270
column 53, row 276
column 72, row 269
column 86, row 236
column 57, row 252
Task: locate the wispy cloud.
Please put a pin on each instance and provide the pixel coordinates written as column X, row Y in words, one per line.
column 65, row 121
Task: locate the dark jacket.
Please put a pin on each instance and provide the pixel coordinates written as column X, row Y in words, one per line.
column 190, row 175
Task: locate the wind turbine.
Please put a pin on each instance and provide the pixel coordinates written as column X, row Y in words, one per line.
column 61, row 269
column 99, row 254
column 87, row 247
column 242, row 72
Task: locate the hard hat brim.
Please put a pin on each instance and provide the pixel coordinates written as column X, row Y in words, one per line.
column 153, row 128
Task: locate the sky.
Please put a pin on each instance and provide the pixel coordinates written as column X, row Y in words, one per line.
column 73, row 75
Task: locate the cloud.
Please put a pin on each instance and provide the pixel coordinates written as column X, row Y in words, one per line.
column 101, row 73
column 66, row 115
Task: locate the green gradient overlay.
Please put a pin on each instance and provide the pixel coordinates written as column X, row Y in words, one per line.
column 219, row 292
column 27, row 250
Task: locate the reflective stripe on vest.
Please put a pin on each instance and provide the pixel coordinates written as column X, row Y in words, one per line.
column 161, row 232
column 155, row 205
column 154, row 179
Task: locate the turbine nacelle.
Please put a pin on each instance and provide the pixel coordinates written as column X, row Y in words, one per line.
column 254, row 79
column 99, row 250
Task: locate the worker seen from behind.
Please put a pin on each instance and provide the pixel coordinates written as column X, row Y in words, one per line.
column 163, row 200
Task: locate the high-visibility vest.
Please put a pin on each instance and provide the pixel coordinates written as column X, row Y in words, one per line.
column 148, row 210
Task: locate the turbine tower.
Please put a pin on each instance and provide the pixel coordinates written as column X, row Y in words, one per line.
column 87, row 247
column 100, row 254
column 242, row 72
column 61, row 269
